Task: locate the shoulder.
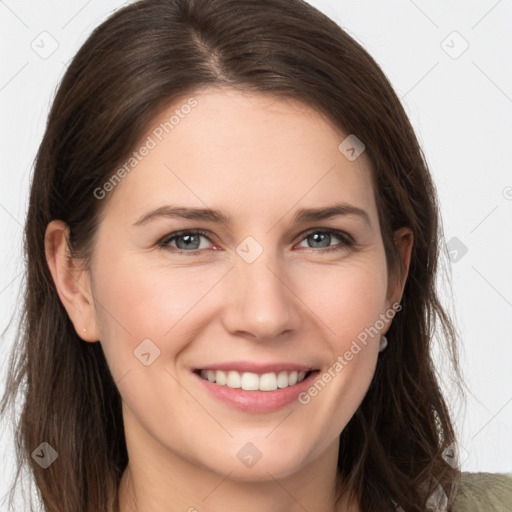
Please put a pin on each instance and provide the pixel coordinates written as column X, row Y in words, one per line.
column 484, row 492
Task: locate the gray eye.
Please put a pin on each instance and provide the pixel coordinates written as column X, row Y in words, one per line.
column 322, row 238
column 189, row 241
column 319, row 239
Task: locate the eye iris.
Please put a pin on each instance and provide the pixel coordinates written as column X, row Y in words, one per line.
column 190, row 241
column 322, row 237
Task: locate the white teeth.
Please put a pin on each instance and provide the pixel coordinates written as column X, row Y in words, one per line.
column 285, row 379
column 253, row 382
column 234, row 380
column 268, row 382
column 250, row 381
column 221, row 377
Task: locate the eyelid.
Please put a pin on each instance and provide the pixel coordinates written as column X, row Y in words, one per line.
column 176, row 234
column 347, row 239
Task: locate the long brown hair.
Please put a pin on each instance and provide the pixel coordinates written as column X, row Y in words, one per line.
column 140, row 60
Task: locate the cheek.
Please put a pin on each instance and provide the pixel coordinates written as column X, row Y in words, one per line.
column 347, row 298
column 144, row 296
column 349, row 302
column 136, row 303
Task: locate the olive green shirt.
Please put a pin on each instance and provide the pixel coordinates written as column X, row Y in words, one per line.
column 484, row 492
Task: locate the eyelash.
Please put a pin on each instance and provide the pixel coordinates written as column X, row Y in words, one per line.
column 347, row 240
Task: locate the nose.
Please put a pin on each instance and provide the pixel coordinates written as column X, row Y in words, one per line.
column 260, row 302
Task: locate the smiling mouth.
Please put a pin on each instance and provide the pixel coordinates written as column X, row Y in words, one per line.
column 249, row 381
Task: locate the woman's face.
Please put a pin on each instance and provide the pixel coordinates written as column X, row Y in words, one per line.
column 269, row 291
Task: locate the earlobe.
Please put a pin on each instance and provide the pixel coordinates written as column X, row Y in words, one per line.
column 71, row 281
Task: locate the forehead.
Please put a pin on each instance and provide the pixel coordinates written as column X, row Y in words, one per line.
column 249, row 153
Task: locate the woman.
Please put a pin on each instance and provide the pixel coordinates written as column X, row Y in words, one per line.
column 187, row 345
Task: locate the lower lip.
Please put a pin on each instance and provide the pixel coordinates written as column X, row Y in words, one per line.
column 257, row 401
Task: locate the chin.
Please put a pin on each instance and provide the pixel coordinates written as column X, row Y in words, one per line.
column 258, row 460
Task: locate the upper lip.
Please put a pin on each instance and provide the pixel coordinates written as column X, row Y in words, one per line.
column 259, row 368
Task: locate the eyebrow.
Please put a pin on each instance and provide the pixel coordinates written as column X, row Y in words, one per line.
column 220, row 217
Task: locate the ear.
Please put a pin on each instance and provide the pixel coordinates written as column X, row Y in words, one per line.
column 404, row 240
column 71, row 281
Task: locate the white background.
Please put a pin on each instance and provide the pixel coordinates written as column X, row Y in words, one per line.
column 461, row 109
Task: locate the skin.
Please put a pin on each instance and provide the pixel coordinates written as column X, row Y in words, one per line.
column 260, row 160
